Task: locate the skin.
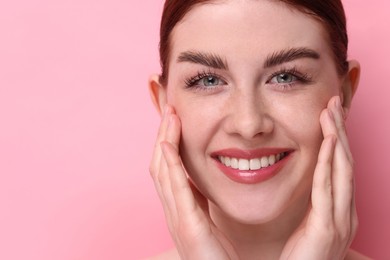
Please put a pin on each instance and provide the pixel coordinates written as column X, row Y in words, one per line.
column 307, row 210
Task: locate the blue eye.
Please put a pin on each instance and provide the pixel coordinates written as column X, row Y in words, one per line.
column 210, row 81
column 205, row 80
column 284, row 78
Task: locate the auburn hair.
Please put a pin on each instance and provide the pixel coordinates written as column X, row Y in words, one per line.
column 329, row 12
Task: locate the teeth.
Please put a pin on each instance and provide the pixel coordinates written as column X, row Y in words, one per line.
column 243, row 165
column 272, row 160
column 227, row 161
column 264, row 162
column 252, row 164
column 221, row 159
column 234, row 163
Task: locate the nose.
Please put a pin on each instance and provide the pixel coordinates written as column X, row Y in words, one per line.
column 248, row 116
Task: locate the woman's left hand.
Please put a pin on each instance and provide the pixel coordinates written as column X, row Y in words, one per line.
column 331, row 222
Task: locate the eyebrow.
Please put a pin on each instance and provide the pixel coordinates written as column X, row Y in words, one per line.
column 283, row 56
column 206, row 59
column 277, row 58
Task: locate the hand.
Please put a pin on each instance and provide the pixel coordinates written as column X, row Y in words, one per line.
column 331, row 222
column 185, row 208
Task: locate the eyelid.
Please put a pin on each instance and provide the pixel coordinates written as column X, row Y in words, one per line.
column 191, row 81
column 295, row 78
column 302, row 77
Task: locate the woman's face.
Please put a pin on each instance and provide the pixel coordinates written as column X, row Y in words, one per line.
column 249, row 79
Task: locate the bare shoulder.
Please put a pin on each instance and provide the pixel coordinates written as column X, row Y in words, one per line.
column 353, row 255
column 168, row 255
column 173, row 255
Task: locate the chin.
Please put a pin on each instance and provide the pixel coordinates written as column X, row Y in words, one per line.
column 255, row 213
column 254, row 209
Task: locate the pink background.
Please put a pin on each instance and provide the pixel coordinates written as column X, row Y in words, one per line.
column 77, row 129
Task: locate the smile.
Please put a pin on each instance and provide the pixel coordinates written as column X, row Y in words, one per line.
column 251, row 164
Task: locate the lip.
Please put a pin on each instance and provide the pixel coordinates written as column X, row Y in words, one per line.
column 251, row 176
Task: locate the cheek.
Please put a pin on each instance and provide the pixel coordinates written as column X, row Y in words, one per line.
column 298, row 118
column 198, row 125
column 199, row 117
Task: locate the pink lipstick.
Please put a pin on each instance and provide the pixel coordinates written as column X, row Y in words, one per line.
column 251, row 166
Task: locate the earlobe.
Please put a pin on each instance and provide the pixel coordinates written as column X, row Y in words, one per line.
column 350, row 84
column 157, row 93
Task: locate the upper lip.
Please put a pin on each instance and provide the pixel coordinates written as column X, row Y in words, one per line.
column 249, row 154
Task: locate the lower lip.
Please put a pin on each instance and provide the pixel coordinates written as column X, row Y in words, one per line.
column 253, row 176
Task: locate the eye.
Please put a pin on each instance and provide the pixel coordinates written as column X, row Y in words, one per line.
column 289, row 78
column 205, row 80
column 210, row 81
column 283, row 78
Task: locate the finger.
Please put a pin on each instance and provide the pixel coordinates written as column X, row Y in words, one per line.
column 159, row 168
column 174, row 127
column 201, row 200
column 167, row 198
column 164, row 176
column 322, row 201
column 342, row 171
column 343, row 190
column 354, row 219
column 187, row 202
column 156, row 157
column 172, row 136
column 338, row 114
column 346, row 187
column 184, row 198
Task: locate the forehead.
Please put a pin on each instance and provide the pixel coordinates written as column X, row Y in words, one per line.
column 247, row 29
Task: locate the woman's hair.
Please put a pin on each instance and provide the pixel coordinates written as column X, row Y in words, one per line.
column 329, row 12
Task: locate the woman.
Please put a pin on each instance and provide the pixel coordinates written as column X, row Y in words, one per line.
column 254, row 95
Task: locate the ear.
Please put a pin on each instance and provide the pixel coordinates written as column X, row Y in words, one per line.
column 157, row 93
column 350, row 84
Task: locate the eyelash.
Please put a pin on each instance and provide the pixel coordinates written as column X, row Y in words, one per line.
column 191, row 83
column 303, row 78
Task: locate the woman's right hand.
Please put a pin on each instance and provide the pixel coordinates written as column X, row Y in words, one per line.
column 185, row 208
